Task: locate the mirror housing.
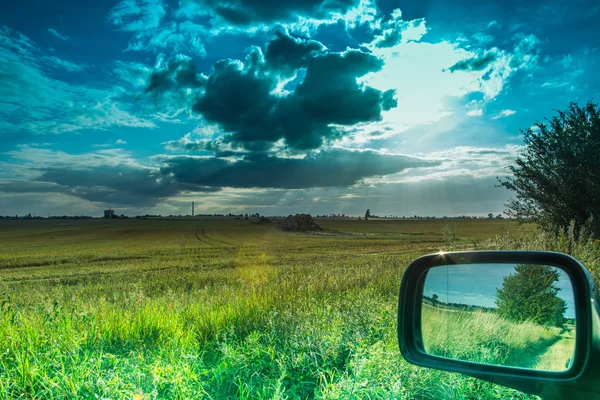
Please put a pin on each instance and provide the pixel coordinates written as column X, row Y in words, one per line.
column 578, row 380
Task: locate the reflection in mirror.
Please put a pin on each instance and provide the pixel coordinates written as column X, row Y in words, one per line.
column 513, row 315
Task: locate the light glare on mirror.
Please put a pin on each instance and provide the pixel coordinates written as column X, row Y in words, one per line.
column 502, row 314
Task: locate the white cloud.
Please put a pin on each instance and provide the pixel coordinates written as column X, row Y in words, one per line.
column 365, row 12
column 358, row 135
column 482, row 38
column 133, row 73
column 460, row 196
column 137, row 15
column 60, row 63
column 42, row 204
column 504, row 113
column 566, row 61
column 189, row 9
column 200, row 140
column 58, row 35
column 420, row 73
column 476, row 112
column 120, row 141
column 462, row 161
column 37, row 159
column 396, row 30
column 146, row 20
column 525, row 52
column 534, row 128
column 172, row 37
column 33, row 101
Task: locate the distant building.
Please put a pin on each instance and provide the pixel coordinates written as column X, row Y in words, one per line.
column 110, row 214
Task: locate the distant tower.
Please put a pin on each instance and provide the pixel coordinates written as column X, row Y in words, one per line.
column 192, row 208
column 109, row 214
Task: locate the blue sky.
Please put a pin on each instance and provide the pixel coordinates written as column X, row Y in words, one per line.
column 315, row 106
column 477, row 284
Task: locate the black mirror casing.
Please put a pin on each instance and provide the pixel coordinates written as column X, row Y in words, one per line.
column 581, row 380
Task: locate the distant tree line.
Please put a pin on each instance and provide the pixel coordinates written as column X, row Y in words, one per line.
column 434, row 301
column 29, row 216
column 467, row 217
column 243, row 215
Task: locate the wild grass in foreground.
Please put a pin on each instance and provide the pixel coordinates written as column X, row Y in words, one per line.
column 215, row 309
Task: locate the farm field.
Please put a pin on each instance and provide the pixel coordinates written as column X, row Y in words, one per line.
column 200, row 308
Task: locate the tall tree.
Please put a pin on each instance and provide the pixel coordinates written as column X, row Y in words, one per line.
column 556, row 179
column 531, row 293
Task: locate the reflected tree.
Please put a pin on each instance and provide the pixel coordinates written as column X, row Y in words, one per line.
column 531, row 293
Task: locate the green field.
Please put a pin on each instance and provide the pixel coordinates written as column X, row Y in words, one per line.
column 217, row 309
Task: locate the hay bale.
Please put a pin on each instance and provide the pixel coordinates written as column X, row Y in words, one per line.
column 300, row 222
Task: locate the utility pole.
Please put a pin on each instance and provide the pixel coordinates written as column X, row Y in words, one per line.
column 192, row 208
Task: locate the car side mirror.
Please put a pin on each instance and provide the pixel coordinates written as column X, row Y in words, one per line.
column 525, row 320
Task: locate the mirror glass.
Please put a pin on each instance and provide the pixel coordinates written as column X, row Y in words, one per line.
column 513, row 315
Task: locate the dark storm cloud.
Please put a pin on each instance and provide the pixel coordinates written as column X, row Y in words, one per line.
column 135, row 185
column 474, row 64
column 287, row 54
column 238, row 97
column 327, row 169
column 142, row 181
column 121, row 184
column 241, row 96
column 21, row 186
column 179, row 74
column 172, row 86
column 252, row 12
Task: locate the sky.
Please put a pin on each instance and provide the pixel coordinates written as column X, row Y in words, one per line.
column 318, row 106
column 477, row 284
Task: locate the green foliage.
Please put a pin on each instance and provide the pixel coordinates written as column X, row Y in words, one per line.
column 580, row 245
column 449, row 233
column 556, row 179
column 530, row 294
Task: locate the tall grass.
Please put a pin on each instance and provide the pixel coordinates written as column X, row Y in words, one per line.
column 172, row 310
column 487, row 338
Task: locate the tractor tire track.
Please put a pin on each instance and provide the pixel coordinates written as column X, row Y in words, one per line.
column 202, row 235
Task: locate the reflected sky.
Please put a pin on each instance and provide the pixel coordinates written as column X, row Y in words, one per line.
column 476, row 284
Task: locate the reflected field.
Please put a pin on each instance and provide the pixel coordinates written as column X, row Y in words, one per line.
column 513, row 315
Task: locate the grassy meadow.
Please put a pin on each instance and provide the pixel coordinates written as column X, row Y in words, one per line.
column 487, row 338
column 216, row 309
